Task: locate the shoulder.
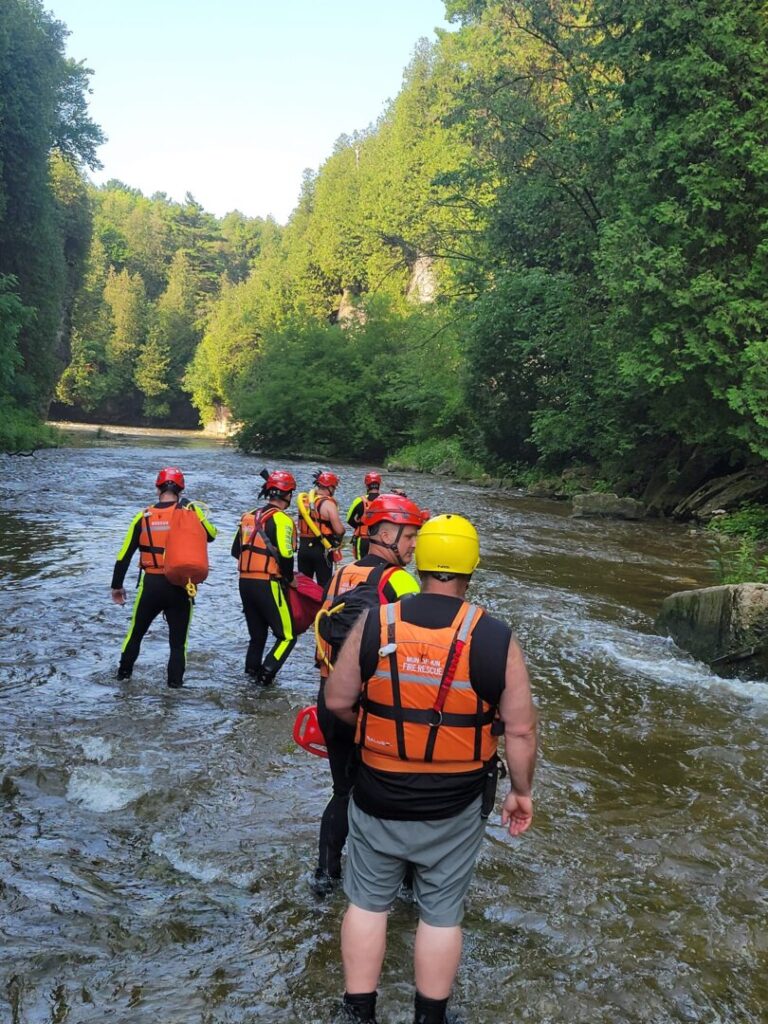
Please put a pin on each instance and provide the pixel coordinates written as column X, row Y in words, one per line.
column 489, row 627
column 283, row 519
column 402, row 583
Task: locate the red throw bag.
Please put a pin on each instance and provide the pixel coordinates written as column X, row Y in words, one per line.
column 305, row 600
column 186, row 550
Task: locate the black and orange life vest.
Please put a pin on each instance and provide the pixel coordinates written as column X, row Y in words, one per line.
column 153, row 536
column 346, row 579
column 407, row 721
column 324, row 525
column 258, row 559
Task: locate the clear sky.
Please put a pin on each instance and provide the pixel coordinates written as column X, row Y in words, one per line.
column 231, row 99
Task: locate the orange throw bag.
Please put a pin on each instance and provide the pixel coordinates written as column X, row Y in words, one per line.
column 186, row 550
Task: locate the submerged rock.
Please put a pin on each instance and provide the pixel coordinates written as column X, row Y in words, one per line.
column 597, row 504
column 727, row 627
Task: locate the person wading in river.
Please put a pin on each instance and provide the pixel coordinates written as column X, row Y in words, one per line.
column 263, row 546
column 148, row 532
column 314, row 558
column 392, row 524
column 356, row 514
column 429, row 683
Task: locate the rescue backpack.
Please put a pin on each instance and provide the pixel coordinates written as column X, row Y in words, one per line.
column 186, row 549
column 334, row 623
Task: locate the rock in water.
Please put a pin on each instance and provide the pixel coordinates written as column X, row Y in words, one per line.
column 727, row 627
column 609, row 506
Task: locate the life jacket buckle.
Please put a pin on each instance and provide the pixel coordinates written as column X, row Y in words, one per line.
column 386, row 650
column 437, row 719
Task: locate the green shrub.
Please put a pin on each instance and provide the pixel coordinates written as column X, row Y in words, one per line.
column 745, row 563
column 441, row 455
column 750, row 521
column 21, row 431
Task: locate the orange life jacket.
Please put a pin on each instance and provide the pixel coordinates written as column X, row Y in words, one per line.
column 408, row 721
column 347, row 577
column 314, row 514
column 155, row 524
column 257, row 552
column 361, row 530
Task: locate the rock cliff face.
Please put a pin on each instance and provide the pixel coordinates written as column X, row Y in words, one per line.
column 222, row 424
column 693, row 484
column 422, row 286
column 727, row 627
column 724, row 492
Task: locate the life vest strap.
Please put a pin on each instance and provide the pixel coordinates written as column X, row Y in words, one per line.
column 151, row 549
column 385, row 763
column 428, row 716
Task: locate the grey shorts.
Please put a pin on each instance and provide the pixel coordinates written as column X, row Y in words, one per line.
column 443, row 855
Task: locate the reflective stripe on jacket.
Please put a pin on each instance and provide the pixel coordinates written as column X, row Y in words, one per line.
column 257, row 561
column 153, row 536
column 398, row 728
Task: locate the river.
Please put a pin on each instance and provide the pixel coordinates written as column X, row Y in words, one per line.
column 157, row 844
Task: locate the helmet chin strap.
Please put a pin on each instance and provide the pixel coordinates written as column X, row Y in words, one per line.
column 394, row 547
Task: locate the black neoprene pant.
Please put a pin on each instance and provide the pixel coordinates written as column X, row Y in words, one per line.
column 311, row 561
column 342, row 757
column 157, row 595
column 266, row 607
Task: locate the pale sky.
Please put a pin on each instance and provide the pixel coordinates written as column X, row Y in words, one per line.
column 230, row 100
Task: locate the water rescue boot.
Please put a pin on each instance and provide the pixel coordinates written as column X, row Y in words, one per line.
column 360, row 1009
column 323, row 884
column 265, row 678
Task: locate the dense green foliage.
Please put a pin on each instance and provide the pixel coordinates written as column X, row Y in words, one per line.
column 45, row 134
column 550, row 248
column 583, row 184
column 153, row 274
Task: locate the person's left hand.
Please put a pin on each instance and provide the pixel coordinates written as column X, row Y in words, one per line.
column 516, row 813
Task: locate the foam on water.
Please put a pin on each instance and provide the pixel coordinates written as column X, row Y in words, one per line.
column 102, row 789
column 657, row 659
column 196, row 868
column 96, row 748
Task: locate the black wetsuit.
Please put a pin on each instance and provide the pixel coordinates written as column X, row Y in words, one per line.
column 265, row 603
column 155, row 596
column 340, row 742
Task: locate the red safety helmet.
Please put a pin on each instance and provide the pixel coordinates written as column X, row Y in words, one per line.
column 372, row 478
column 391, row 508
column 170, row 475
column 325, row 478
column 280, row 480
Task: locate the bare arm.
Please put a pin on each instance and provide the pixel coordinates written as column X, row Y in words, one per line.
column 342, row 690
column 331, row 510
column 519, row 716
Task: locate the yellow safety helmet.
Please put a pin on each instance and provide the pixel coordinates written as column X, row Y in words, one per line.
column 448, row 544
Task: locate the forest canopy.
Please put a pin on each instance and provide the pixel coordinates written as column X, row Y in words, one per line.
column 550, row 247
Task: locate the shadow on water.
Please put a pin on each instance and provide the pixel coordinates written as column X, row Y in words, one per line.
column 156, row 846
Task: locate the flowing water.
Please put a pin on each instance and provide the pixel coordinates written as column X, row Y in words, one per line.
column 156, row 845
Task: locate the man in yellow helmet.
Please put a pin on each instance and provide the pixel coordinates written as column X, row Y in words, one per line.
column 430, row 683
